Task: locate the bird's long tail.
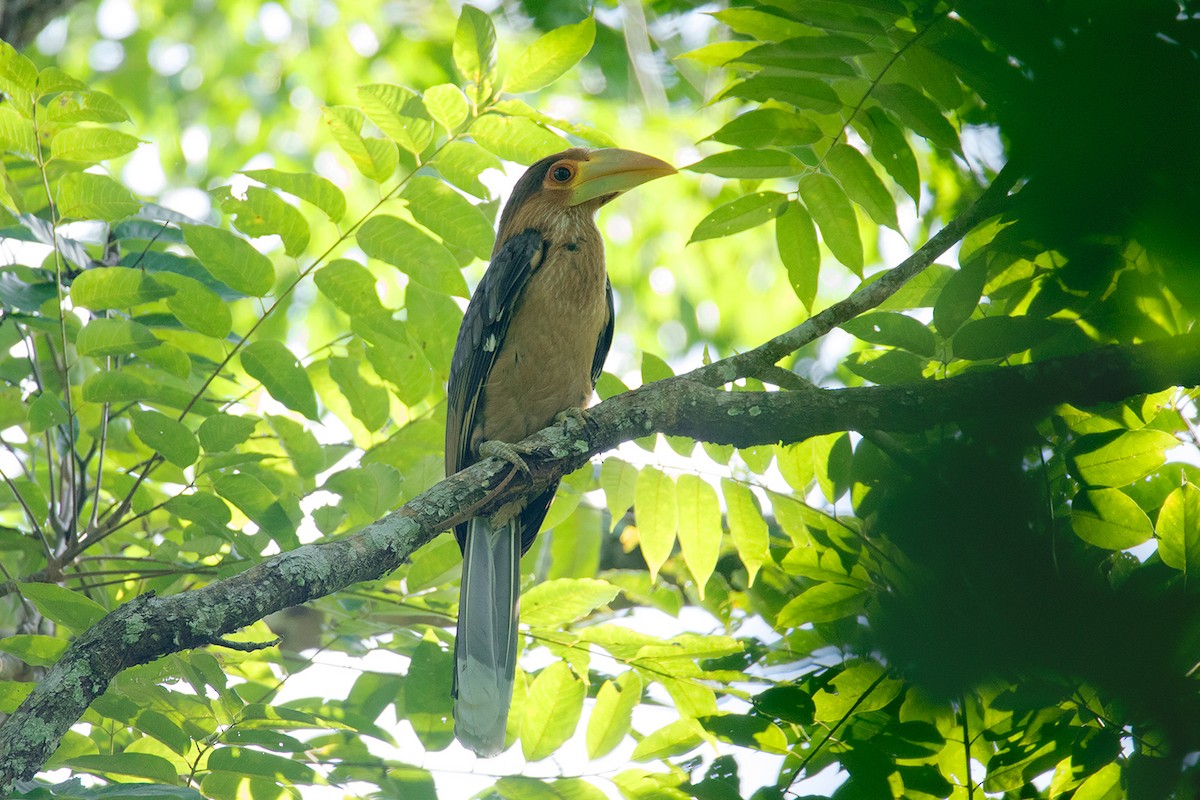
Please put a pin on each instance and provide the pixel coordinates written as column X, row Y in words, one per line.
column 486, row 647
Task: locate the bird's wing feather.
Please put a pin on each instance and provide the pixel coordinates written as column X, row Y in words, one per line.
column 606, row 336
column 484, row 327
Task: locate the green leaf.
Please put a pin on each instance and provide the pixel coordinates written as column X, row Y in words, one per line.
column 796, row 240
column 787, row 703
column 618, row 479
column 673, row 739
column 855, row 691
column 273, row 365
column 310, row 188
column 91, row 145
column 805, row 93
column 959, row 297
column 264, row 213
column 257, row 764
column 368, row 401
column 657, row 517
column 433, row 563
column 550, row 604
column 46, row 412
column 16, row 134
column 1113, row 521
column 741, row 214
column 1000, row 336
column 427, row 694
column 718, row 54
column 834, row 215
column 196, row 306
column 611, row 716
column 764, row 25
column 461, row 163
column 548, row 58
column 1179, row 530
column 450, row 215
column 221, row 432
column 170, row 359
column 699, row 527
column 82, row 195
column 475, row 46
column 447, row 105
column 115, row 386
column 18, row 75
column 74, row 611
column 747, row 730
column 114, row 337
column 302, row 447
column 749, row 164
column 516, row 139
column 397, row 358
column 552, row 711
column 413, row 252
column 351, row 287
column 893, row 329
column 399, row 113
column 747, row 527
column 230, row 259
column 1119, row 462
column 84, row 106
column 768, row 126
column 375, row 158
column 891, row 150
column 138, row 765
column 35, row 650
column 200, row 507
column 116, row 287
column 168, row 437
column 824, row 602
column 862, row 185
column 919, row 113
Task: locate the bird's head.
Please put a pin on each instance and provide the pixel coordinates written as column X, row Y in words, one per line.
column 575, row 182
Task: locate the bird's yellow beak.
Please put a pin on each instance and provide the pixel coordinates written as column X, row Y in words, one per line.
column 610, row 171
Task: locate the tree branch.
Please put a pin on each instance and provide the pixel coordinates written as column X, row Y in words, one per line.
column 150, row 627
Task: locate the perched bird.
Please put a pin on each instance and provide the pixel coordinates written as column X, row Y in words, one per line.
column 531, row 347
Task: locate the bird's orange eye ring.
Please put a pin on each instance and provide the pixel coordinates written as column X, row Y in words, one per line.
column 562, row 172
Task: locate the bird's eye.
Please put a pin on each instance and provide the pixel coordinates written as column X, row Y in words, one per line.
column 562, row 174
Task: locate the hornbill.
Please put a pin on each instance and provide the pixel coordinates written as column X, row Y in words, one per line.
column 531, row 347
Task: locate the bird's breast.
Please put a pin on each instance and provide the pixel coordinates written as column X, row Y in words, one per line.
column 545, row 361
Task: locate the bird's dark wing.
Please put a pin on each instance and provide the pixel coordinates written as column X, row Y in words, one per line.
column 479, row 339
column 606, row 336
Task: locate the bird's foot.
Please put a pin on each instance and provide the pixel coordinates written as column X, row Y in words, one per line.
column 512, row 453
column 569, row 417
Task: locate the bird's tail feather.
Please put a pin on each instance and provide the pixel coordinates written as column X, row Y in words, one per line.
column 486, row 646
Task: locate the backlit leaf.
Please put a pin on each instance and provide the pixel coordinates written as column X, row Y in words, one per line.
column 72, row 610
column 413, row 252
column 552, row 711
column 749, row 164
column 699, row 527
column 1113, row 521
column 231, row 259
column 1123, row 460
column 168, row 437
column 862, row 185
column 450, row 215
column 116, row 287
column 610, row 718
column 399, row 113
column 274, row 366
column 558, row 602
column 741, row 214
column 796, row 239
column 545, row 61
column 82, row 195
column 746, row 526
column 824, row 602
column 834, row 215
column 310, row 188
column 114, row 337
column 1179, row 530
column 768, row 126
column 475, row 45
column 657, row 516
column 516, row 139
